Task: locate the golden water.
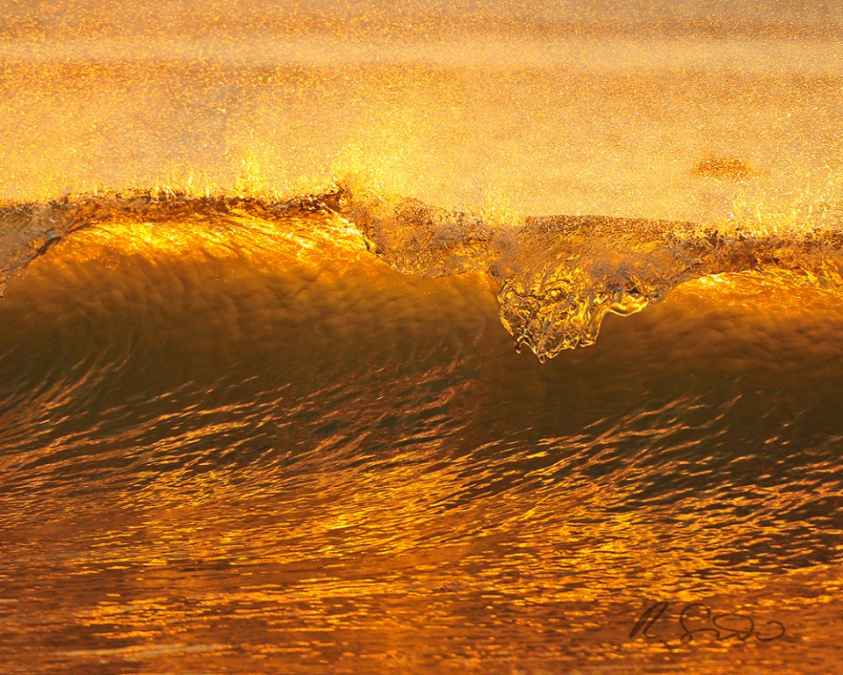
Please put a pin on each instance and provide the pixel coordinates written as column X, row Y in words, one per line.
column 262, row 411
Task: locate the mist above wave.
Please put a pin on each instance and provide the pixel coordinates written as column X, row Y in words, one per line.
column 557, row 277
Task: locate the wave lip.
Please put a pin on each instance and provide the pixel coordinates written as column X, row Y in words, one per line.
column 29, row 230
column 557, row 277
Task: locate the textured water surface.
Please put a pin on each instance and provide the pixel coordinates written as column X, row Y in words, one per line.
column 235, row 443
column 403, row 337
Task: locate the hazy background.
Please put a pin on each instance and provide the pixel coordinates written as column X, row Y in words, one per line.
column 783, row 17
column 511, row 108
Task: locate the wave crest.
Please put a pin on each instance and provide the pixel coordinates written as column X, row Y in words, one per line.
column 557, row 277
column 560, row 276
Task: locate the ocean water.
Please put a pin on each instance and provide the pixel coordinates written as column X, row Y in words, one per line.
column 299, row 372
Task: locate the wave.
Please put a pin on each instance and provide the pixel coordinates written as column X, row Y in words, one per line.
column 556, row 277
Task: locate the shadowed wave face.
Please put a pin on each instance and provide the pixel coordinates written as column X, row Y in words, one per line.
column 285, row 434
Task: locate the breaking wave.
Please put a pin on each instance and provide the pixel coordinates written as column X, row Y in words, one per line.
column 556, row 277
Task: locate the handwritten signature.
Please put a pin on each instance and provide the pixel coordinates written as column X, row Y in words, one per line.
column 697, row 620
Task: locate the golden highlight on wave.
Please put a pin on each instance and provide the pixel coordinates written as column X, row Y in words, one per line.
column 556, row 277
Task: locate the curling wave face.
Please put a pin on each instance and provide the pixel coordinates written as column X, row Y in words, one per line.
column 556, row 277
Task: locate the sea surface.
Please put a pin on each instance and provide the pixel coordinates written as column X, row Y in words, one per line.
column 451, row 357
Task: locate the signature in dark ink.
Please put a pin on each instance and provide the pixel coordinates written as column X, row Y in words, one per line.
column 696, row 620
